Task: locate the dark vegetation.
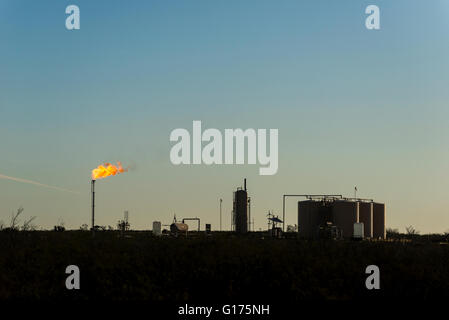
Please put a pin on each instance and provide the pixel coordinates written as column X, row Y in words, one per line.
column 218, row 268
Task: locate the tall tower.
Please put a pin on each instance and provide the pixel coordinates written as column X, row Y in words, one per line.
column 241, row 210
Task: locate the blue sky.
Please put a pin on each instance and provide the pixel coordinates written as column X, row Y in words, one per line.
column 353, row 106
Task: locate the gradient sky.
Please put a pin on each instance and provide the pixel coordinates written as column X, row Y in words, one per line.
column 353, row 106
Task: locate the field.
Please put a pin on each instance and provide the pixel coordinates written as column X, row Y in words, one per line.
column 214, row 269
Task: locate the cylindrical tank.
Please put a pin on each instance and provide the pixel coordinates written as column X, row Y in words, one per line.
column 178, row 227
column 311, row 215
column 345, row 214
column 366, row 216
column 379, row 220
column 157, row 228
column 240, row 209
column 359, row 230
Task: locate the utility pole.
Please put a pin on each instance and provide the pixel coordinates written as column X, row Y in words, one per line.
column 221, row 200
column 249, row 213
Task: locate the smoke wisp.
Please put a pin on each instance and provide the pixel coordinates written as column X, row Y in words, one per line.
column 36, row 183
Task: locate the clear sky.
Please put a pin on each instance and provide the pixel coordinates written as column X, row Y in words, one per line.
column 353, row 106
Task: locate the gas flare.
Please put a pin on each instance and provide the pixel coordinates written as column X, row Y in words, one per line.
column 106, row 170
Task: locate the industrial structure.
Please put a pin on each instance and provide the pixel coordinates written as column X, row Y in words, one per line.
column 195, row 219
column 329, row 216
column 123, row 225
column 341, row 217
column 178, row 228
column 379, row 220
column 273, row 230
column 92, row 189
column 240, row 210
column 157, row 228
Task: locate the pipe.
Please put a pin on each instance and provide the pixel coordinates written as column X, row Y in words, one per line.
column 193, row 219
column 93, row 206
column 309, row 196
column 359, row 199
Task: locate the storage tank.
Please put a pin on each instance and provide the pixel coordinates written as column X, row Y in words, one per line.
column 366, row 216
column 157, row 228
column 178, row 228
column 345, row 214
column 312, row 215
column 306, row 211
column 358, row 230
column 379, row 220
column 241, row 210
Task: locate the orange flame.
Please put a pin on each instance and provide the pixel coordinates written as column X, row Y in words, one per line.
column 106, row 170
